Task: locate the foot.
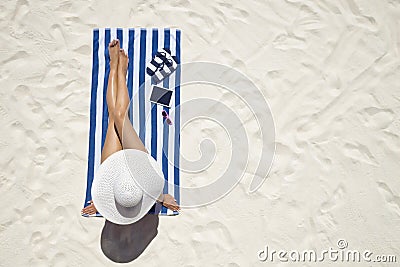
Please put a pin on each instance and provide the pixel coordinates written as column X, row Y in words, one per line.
column 113, row 49
column 123, row 62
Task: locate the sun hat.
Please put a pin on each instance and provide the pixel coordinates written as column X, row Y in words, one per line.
column 126, row 185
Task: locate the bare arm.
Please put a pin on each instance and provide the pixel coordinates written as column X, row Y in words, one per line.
column 168, row 201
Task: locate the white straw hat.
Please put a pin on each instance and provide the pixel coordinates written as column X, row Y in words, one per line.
column 126, row 186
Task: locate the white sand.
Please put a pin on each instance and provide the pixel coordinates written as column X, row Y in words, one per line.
column 329, row 69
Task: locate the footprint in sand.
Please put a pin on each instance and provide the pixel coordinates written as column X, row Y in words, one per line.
column 215, row 237
column 325, row 220
column 392, row 200
column 59, row 260
column 359, row 152
column 376, row 118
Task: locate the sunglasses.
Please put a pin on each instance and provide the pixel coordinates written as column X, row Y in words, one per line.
column 166, row 117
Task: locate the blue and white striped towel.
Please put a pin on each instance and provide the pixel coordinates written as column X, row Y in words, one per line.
column 141, row 44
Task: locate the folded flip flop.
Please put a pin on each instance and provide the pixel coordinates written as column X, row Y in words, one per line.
column 164, row 54
column 155, row 63
column 158, row 60
column 162, row 65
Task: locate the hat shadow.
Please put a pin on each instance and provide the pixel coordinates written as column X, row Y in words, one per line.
column 124, row 243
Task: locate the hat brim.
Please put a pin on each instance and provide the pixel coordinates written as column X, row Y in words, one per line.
column 145, row 172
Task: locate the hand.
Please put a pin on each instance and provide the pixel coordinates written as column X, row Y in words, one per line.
column 170, row 203
column 89, row 210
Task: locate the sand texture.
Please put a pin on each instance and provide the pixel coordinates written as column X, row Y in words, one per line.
column 330, row 71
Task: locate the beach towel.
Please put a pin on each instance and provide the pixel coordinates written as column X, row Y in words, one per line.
column 160, row 139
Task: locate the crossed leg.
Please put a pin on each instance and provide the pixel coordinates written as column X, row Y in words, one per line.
column 128, row 136
column 112, row 143
column 120, row 133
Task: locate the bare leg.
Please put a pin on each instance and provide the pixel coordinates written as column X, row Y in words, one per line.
column 112, row 143
column 128, row 135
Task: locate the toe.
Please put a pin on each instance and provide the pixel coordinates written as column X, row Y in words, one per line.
column 114, row 42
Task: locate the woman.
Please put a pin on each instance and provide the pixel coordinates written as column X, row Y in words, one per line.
column 119, row 125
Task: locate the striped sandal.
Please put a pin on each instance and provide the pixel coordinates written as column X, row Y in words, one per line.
column 162, row 65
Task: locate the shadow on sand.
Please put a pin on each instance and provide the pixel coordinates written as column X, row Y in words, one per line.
column 124, row 243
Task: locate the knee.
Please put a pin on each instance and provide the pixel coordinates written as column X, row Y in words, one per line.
column 119, row 115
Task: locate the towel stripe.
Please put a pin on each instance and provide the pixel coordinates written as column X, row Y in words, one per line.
column 154, row 106
column 159, row 118
column 99, row 103
column 99, row 99
column 131, row 39
column 177, row 118
column 113, row 34
column 142, row 67
column 159, row 138
column 165, row 126
column 171, row 129
column 107, row 72
column 160, row 122
column 92, row 126
column 120, row 37
column 147, row 90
